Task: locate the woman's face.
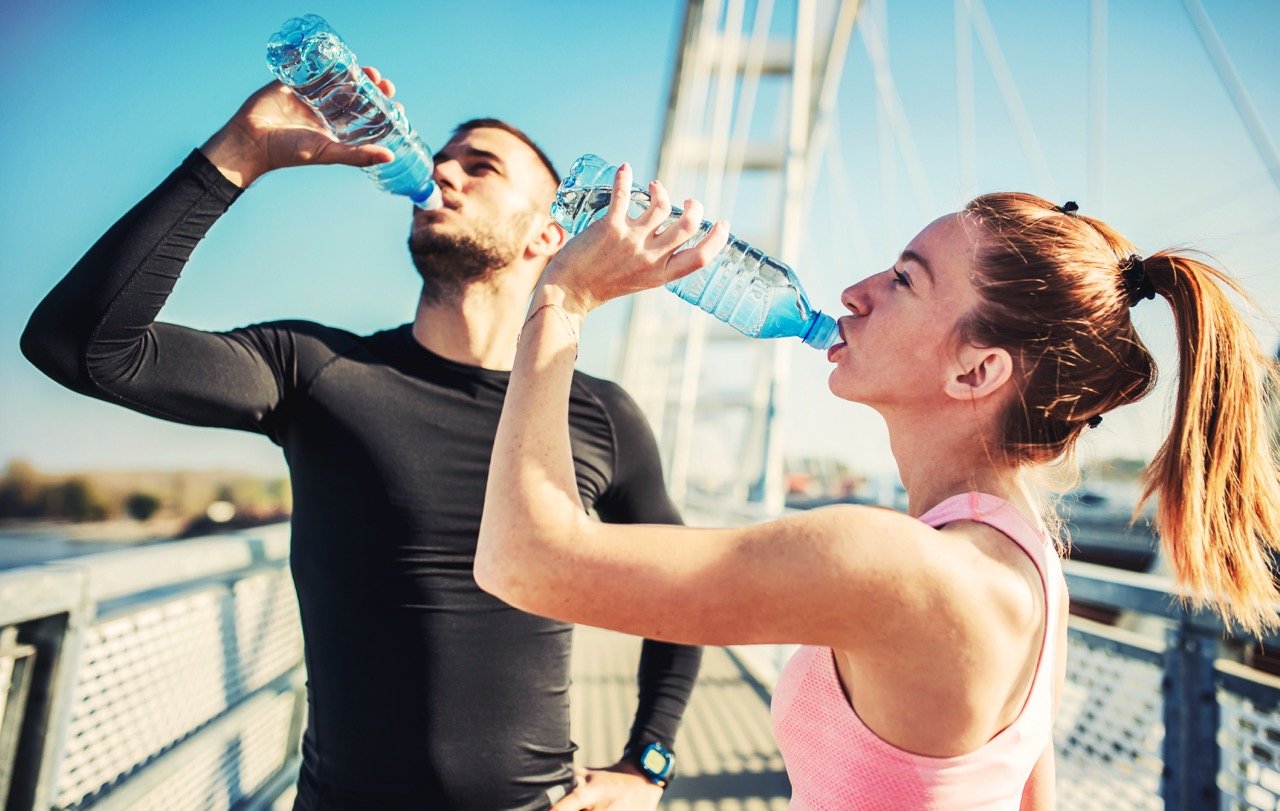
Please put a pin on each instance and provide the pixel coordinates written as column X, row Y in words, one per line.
column 899, row 338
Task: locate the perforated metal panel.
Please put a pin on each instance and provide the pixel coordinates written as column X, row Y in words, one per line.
column 150, row 677
column 1249, row 740
column 222, row 775
column 1110, row 729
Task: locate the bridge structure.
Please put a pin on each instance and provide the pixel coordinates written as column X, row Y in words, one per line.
column 790, row 119
column 170, row 676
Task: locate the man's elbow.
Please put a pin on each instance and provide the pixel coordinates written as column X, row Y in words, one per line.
column 45, row 348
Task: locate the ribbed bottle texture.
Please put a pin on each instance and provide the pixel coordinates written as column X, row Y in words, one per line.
column 308, row 55
column 742, row 286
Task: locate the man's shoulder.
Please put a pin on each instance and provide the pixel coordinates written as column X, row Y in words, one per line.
column 312, row 345
column 338, row 340
column 622, row 411
column 608, row 394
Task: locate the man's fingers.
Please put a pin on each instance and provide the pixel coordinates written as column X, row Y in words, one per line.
column 576, row 800
column 365, row 155
column 385, row 85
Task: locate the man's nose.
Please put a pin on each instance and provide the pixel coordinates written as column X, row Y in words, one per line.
column 446, row 173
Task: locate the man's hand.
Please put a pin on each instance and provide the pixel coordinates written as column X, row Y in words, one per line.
column 621, row 787
column 274, row 129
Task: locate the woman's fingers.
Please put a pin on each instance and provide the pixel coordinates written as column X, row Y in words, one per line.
column 617, row 211
column 652, row 218
column 683, row 229
column 699, row 256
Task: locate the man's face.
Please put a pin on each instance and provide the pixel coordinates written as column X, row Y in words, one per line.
column 496, row 194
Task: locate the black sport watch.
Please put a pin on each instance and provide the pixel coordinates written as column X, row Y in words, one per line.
column 654, row 760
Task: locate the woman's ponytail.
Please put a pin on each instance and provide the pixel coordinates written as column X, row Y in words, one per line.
column 1215, row 476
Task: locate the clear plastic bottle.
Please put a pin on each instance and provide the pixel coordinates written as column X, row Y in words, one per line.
column 308, row 55
column 742, row 286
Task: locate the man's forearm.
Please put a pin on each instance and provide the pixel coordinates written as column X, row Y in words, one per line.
column 141, row 255
column 665, row 677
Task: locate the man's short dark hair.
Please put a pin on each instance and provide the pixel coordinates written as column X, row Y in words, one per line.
column 499, row 124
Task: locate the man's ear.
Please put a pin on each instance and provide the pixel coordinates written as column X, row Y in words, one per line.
column 548, row 241
column 979, row 371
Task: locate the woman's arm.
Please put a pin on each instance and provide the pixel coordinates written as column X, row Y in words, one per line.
column 825, row 576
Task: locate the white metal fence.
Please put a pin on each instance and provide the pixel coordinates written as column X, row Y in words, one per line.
column 167, row 676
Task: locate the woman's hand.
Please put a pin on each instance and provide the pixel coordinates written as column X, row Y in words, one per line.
column 274, row 129
column 618, row 254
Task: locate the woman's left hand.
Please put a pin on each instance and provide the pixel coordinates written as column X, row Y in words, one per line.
column 619, row 255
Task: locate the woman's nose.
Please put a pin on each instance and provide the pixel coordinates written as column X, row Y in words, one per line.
column 855, row 298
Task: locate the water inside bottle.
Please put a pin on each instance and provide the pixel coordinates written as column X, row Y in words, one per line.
column 309, row 56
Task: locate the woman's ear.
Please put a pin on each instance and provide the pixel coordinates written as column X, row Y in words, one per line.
column 979, row 371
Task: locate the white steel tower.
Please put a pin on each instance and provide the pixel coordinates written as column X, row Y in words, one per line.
column 745, row 120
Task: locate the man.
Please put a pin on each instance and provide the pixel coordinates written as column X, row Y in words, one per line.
column 423, row 691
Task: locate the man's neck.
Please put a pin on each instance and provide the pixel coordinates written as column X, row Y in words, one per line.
column 478, row 327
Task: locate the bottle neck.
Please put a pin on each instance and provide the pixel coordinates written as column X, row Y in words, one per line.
column 822, row 331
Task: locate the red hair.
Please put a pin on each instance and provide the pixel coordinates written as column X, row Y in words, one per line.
column 1053, row 292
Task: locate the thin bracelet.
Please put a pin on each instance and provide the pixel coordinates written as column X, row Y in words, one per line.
column 568, row 323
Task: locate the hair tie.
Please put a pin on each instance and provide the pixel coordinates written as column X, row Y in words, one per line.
column 1137, row 285
column 1068, row 208
column 1094, row 421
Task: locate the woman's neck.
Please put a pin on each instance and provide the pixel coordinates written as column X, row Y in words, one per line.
column 939, row 458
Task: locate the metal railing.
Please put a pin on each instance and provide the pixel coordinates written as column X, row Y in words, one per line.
column 1160, row 710
column 167, row 676
column 170, row 677
column 1173, row 716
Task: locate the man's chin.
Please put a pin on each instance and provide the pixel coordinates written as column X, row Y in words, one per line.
column 424, row 219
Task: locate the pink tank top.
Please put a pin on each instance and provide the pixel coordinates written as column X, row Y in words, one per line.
column 835, row 761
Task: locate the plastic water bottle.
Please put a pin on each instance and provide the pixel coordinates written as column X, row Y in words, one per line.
column 742, row 286
column 308, row 55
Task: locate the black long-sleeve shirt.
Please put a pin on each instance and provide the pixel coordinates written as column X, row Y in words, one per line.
column 423, row 690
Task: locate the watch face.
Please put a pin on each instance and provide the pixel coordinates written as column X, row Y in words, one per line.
column 653, row 761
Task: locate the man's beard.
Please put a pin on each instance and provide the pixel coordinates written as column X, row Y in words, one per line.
column 450, row 262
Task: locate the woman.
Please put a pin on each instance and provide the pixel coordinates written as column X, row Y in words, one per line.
column 933, row 642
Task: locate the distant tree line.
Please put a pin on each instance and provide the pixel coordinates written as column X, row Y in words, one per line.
column 24, row 493
column 28, row 494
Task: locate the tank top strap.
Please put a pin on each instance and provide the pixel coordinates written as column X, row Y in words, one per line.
column 1003, row 516
column 1000, row 514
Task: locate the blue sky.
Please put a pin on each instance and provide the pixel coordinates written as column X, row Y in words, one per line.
column 113, row 95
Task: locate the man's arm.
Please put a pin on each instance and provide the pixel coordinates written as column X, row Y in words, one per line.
column 638, row 495
column 96, row 331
